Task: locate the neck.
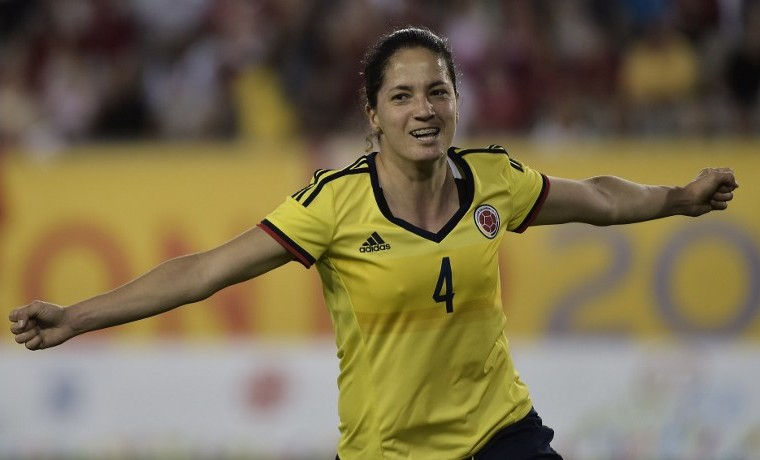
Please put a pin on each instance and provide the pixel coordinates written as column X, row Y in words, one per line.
column 423, row 194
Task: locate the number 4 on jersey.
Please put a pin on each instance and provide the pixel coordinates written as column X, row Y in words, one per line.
column 444, row 288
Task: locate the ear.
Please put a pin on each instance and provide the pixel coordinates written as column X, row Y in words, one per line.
column 371, row 113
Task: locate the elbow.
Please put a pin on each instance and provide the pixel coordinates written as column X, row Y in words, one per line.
column 603, row 210
column 199, row 282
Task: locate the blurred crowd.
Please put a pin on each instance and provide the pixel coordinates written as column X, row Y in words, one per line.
column 90, row 70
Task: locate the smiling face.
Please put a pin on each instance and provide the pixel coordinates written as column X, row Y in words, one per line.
column 416, row 111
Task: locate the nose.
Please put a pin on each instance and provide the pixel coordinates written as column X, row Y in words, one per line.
column 423, row 108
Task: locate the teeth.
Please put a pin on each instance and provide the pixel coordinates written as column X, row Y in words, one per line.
column 425, row 132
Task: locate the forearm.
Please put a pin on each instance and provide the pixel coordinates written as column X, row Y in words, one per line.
column 175, row 282
column 625, row 202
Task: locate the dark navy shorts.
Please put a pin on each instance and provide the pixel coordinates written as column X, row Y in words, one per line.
column 527, row 439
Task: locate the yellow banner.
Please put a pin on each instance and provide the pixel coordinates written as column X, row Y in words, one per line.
column 91, row 220
column 673, row 277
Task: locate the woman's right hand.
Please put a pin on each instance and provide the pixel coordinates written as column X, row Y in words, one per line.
column 40, row 325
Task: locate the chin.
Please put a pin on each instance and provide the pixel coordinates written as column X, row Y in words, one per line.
column 423, row 153
column 429, row 153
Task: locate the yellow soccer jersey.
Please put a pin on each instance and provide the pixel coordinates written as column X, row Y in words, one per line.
column 425, row 367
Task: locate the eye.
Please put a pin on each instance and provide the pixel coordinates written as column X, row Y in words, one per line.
column 400, row 97
column 439, row 92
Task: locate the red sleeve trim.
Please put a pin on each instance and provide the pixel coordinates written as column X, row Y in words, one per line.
column 545, row 186
column 291, row 246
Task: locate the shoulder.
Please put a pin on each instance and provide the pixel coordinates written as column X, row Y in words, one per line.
column 493, row 149
column 323, row 178
column 490, row 155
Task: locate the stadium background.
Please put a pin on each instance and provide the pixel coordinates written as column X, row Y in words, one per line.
column 134, row 131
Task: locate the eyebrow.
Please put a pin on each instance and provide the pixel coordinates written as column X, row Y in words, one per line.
column 409, row 88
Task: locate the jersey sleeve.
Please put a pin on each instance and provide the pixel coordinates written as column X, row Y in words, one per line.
column 528, row 189
column 303, row 227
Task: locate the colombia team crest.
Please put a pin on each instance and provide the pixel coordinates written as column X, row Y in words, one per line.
column 487, row 220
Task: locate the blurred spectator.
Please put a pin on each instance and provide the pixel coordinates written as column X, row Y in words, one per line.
column 578, row 100
column 247, row 37
column 697, row 19
column 113, row 41
column 22, row 121
column 659, row 75
column 510, row 78
column 81, row 70
column 743, row 75
column 182, row 75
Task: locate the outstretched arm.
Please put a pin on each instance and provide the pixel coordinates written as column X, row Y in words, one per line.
column 176, row 282
column 608, row 200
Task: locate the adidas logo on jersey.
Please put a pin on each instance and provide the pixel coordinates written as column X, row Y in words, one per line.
column 374, row 243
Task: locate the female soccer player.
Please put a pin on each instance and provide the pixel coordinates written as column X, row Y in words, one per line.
column 405, row 240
